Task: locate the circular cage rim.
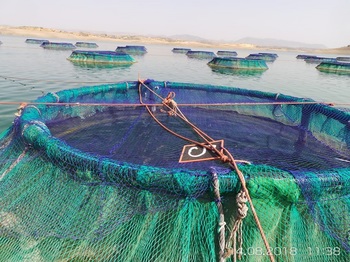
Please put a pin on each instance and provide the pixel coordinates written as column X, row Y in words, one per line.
column 36, row 133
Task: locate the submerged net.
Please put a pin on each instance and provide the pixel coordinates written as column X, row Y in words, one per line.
column 89, row 175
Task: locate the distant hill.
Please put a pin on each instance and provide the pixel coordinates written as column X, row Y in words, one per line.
column 190, row 38
column 270, row 42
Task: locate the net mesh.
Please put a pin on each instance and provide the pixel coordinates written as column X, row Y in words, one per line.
column 238, row 63
column 87, row 175
column 101, row 57
column 334, row 67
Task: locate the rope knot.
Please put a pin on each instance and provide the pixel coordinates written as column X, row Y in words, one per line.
column 20, row 109
column 224, row 158
column 228, row 252
column 241, row 200
column 170, row 106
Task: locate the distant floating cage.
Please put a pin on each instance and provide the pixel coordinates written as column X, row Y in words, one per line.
column 58, row 46
column 181, row 50
column 343, row 58
column 200, row 54
column 336, row 67
column 305, row 56
column 0, row 43
column 132, row 49
column 269, row 54
column 238, row 63
column 104, row 57
column 226, row 53
column 36, row 41
column 318, row 59
column 86, row 44
column 265, row 57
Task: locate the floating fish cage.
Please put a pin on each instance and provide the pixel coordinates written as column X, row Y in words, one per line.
column 0, row 43
column 36, row 41
column 226, row 53
column 200, row 54
column 166, row 171
column 318, row 59
column 305, row 56
column 180, row 50
column 264, row 57
column 58, row 46
column 101, row 57
column 132, row 49
column 269, row 54
column 343, row 58
column 238, row 63
column 86, row 44
column 337, row 67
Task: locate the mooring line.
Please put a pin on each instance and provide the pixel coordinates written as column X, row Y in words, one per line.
column 224, row 157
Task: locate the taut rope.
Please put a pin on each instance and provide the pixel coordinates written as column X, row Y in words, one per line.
column 225, row 156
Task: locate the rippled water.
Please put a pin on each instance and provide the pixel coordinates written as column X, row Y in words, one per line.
column 27, row 71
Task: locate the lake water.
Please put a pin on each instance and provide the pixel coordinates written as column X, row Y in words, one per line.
column 27, row 71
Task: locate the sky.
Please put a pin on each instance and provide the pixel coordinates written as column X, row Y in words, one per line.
column 323, row 22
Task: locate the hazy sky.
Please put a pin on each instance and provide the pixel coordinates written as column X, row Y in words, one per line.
column 310, row 21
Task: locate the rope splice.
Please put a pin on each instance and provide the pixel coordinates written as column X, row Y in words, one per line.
column 170, row 106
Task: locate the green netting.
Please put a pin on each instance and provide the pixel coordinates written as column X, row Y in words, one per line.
column 101, row 57
column 87, row 175
column 238, row 63
column 86, row 44
column 334, row 67
column 58, row 46
column 132, row 49
column 36, row 41
column 226, row 53
column 180, row 50
column 200, row 54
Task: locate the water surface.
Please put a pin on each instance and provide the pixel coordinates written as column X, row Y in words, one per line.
column 28, row 71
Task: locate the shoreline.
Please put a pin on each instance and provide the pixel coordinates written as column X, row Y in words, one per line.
column 43, row 33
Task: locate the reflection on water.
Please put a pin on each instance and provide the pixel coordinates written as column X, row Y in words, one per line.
column 99, row 65
column 238, row 72
column 334, row 72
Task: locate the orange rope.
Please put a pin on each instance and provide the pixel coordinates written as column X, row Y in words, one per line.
column 225, row 158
